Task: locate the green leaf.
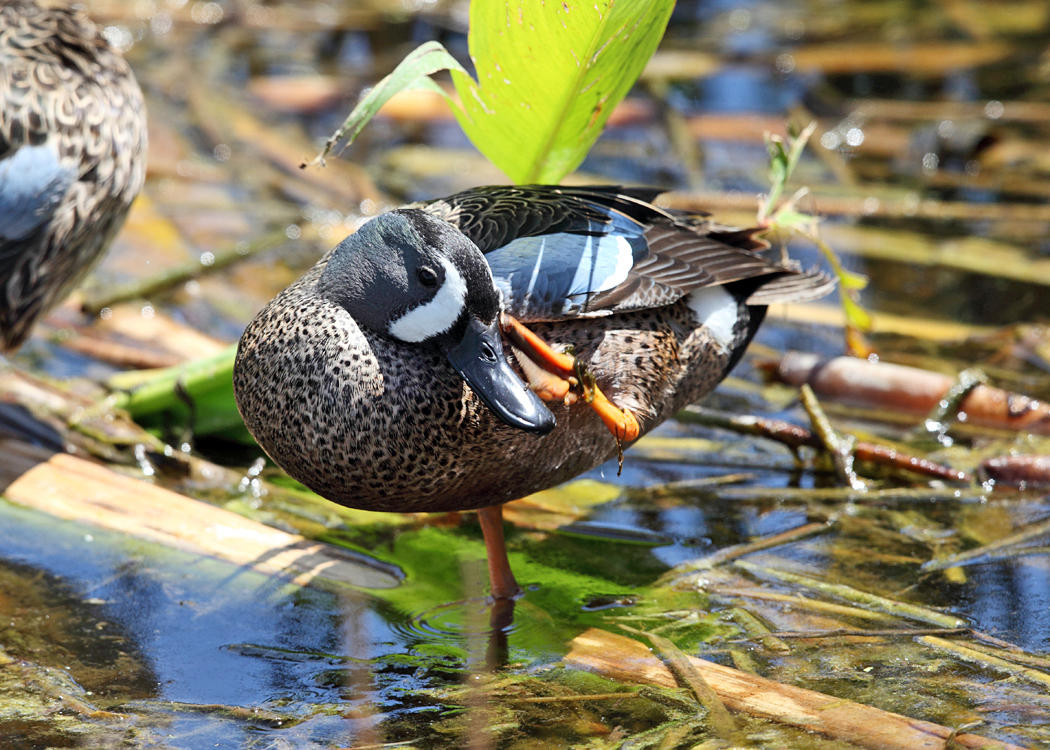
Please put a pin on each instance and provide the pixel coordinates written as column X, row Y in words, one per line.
column 782, row 163
column 411, row 73
column 197, row 394
column 549, row 76
column 851, row 279
column 856, row 315
column 788, row 220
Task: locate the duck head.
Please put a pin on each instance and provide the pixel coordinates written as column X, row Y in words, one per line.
column 416, row 279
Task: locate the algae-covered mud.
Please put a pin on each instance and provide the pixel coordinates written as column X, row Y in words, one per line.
column 723, row 589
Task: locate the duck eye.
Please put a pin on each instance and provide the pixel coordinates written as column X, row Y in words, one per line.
column 427, row 276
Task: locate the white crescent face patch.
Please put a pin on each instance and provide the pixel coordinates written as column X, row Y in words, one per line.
column 438, row 314
column 718, row 311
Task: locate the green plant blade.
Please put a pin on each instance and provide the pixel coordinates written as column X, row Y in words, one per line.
column 197, row 394
column 411, row 73
column 549, row 76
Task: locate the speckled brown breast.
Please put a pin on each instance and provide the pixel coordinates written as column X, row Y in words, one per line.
column 375, row 424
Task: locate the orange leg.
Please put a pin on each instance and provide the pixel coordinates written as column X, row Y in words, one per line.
column 558, row 363
column 501, row 577
column 620, row 422
column 552, row 374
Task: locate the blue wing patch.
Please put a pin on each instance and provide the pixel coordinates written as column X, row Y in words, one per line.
column 556, row 275
column 32, row 184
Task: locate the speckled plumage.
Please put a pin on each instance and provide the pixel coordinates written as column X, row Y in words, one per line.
column 374, row 423
column 72, row 155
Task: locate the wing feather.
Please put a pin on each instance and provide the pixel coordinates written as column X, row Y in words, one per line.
column 647, row 256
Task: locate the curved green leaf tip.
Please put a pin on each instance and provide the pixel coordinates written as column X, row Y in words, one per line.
column 411, row 73
column 549, row 76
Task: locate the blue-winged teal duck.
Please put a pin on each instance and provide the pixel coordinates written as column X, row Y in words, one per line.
column 72, row 156
column 380, row 378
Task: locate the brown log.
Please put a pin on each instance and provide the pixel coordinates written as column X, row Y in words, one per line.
column 794, row 436
column 79, row 490
column 897, row 109
column 180, row 340
column 879, row 385
column 622, row 658
column 1029, row 471
column 117, row 353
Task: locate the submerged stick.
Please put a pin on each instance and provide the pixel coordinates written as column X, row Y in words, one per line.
column 839, row 448
column 622, row 658
column 879, row 385
column 995, row 550
column 846, row 494
column 795, row 437
column 730, row 593
column 685, row 670
column 874, row 601
column 986, row 660
column 726, row 554
column 945, row 410
column 1019, row 471
column 578, row 698
column 857, row 633
column 757, row 630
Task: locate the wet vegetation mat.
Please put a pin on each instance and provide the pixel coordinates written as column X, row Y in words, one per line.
column 829, row 552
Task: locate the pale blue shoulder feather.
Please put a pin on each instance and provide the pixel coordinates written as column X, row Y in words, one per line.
column 32, row 185
column 558, row 274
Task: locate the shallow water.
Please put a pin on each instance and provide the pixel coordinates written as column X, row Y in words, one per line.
column 192, row 652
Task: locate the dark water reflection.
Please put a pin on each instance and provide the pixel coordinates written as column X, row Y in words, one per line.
column 1011, row 599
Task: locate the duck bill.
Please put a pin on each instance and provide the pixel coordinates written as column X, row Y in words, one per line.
column 479, row 358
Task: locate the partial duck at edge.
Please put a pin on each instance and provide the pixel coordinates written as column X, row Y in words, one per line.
column 72, row 156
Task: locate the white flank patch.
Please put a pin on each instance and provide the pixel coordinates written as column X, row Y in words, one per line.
column 435, row 316
column 718, row 311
